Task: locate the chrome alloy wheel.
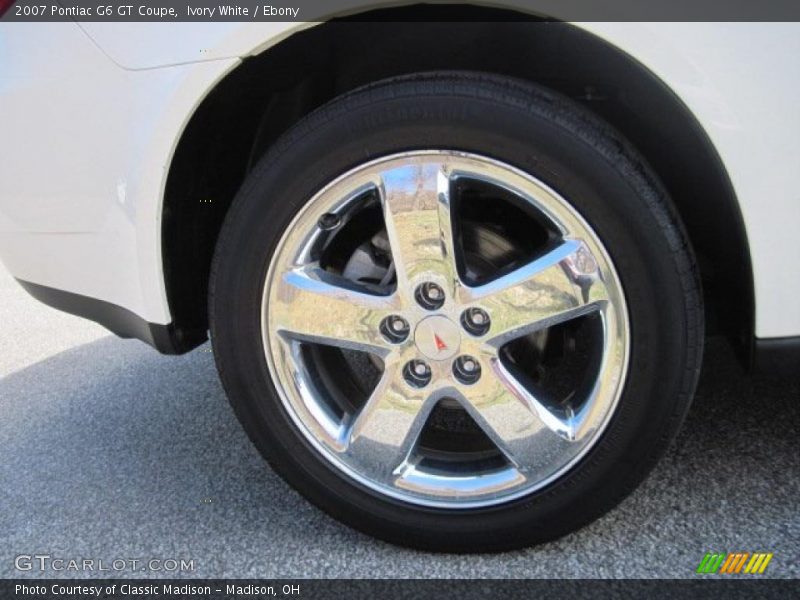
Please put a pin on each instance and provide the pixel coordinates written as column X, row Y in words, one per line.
column 423, row 370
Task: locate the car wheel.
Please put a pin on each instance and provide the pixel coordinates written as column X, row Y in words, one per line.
column 457, row 312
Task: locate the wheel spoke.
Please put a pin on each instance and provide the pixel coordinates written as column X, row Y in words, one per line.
column 387, row 427
column 416, row 203
column 313, row 306
column 529, row 433
column 561, row 285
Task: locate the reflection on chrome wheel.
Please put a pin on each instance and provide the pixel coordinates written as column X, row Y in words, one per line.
column 427, row 365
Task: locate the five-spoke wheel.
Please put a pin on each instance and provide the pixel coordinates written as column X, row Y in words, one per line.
column 456, row 311
column 438, row 336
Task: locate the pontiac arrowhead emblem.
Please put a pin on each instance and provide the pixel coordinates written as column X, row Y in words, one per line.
column 440, row 345
column 437, row 337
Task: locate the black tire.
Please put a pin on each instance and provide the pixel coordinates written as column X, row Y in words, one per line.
column 556, row 141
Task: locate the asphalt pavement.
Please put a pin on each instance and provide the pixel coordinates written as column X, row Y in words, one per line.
column 110, row 451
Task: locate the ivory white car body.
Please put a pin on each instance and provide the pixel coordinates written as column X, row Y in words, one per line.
column 124, row 145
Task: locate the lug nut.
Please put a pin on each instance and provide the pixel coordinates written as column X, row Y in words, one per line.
column 429, row 296
column 466, row 369
column 395, row 329
column 475, row 321
column 417, row 373
column 329, row 221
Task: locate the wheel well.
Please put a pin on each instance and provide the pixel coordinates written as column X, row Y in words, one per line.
column 266, row 94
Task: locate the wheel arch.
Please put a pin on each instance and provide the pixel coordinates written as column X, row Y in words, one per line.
column 249, row 109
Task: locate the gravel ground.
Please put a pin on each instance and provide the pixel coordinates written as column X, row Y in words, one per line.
column 111, row 451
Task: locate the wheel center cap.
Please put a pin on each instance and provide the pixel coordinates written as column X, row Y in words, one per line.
column 437, row 338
